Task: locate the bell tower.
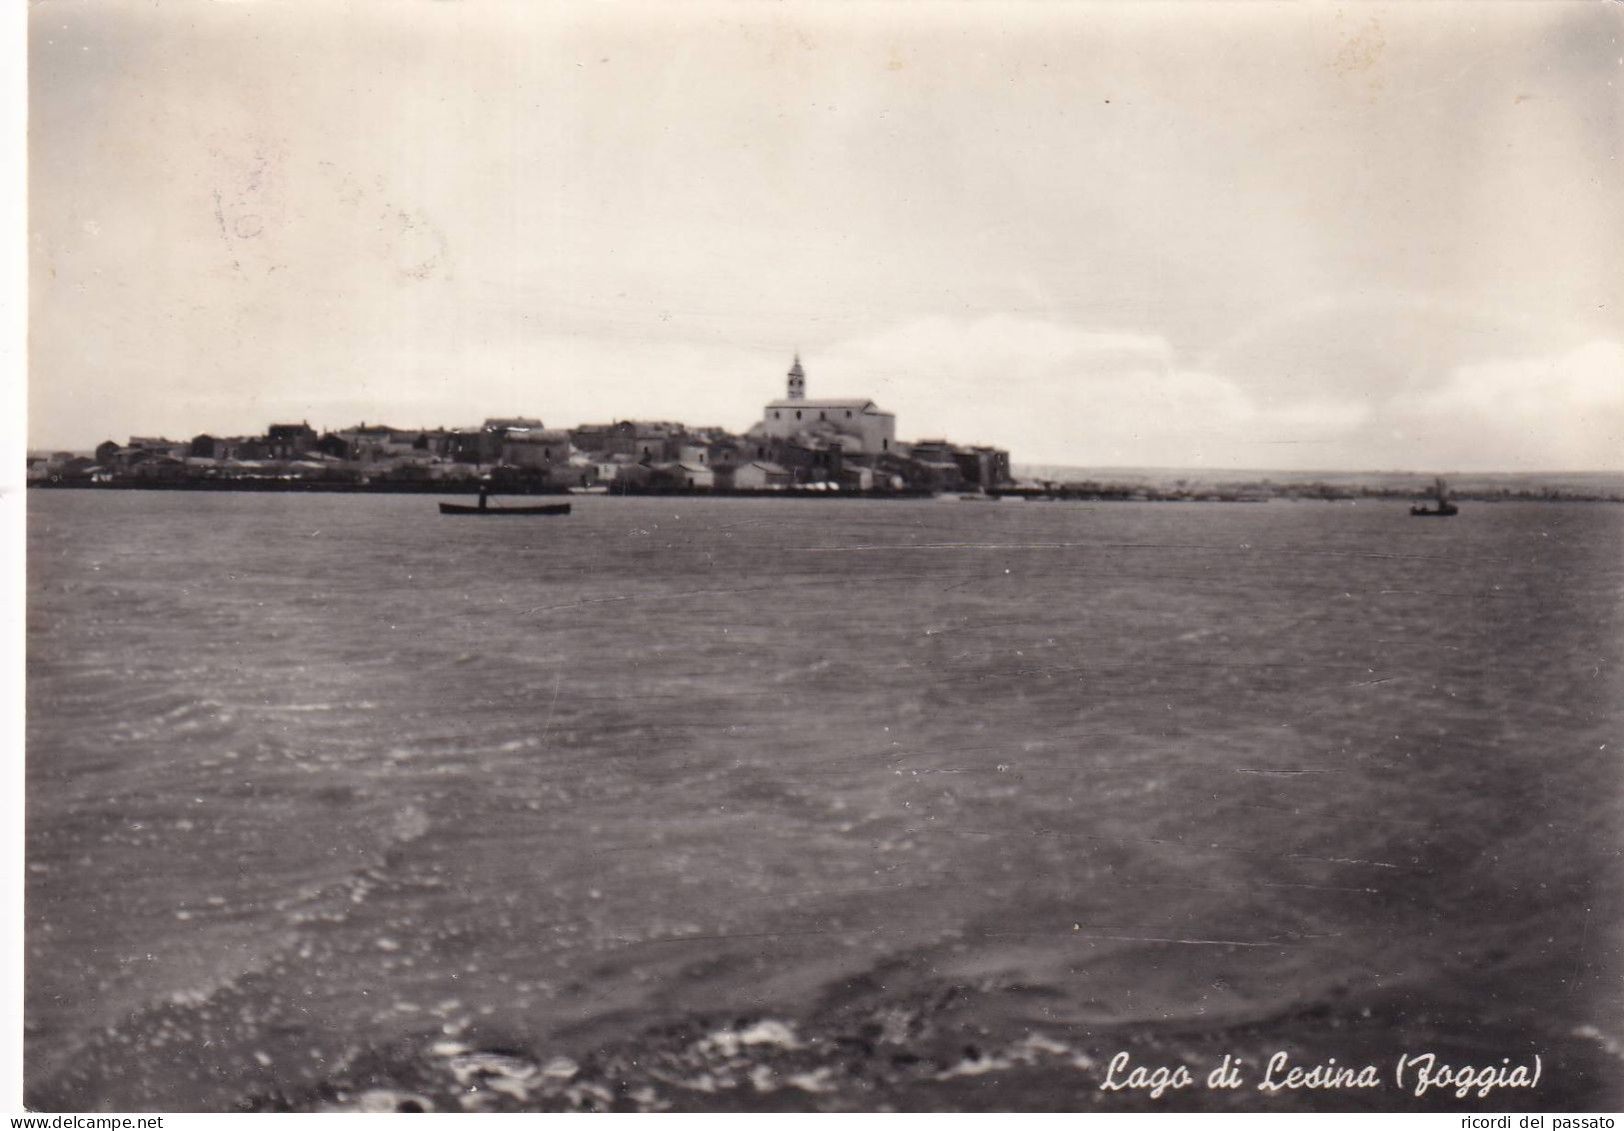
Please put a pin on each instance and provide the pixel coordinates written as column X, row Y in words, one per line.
column 797, row 380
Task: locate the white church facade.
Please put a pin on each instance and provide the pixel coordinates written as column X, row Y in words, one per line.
column 857, row 425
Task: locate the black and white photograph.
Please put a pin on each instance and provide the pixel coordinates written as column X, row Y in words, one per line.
column 1054, row 557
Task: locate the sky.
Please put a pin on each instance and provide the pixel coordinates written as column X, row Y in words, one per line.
column 1228, row 235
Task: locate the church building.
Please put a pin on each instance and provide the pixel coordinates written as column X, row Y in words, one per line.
column 857, row 425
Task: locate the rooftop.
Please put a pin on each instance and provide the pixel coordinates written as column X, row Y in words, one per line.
column 861, row 403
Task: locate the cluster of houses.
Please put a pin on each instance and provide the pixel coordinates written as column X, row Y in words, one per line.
column 843, row 444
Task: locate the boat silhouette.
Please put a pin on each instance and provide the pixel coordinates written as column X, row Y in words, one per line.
column 1443, row 508
column 461, row 508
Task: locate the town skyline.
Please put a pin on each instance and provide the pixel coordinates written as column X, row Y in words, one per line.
column 800, row 442
column 1242, row 235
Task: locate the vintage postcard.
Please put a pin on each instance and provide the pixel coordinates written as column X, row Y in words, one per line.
column 1055, row 557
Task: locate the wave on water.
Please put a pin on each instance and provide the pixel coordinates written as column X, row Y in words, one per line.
column 924, row 1053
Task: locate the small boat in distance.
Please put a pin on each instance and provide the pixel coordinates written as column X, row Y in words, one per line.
column 548, row 508
column 1442, row 509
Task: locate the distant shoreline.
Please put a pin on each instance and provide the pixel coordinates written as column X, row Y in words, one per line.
column 1088, row 491
column 453, row 487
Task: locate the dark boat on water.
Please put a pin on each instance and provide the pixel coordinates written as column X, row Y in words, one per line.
column 549, row 508
column 1443, row 508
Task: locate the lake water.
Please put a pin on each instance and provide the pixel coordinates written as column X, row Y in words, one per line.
column 784, row 804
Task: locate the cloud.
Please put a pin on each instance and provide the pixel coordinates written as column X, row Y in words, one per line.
column 1564, row 411
column 1058, row 394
